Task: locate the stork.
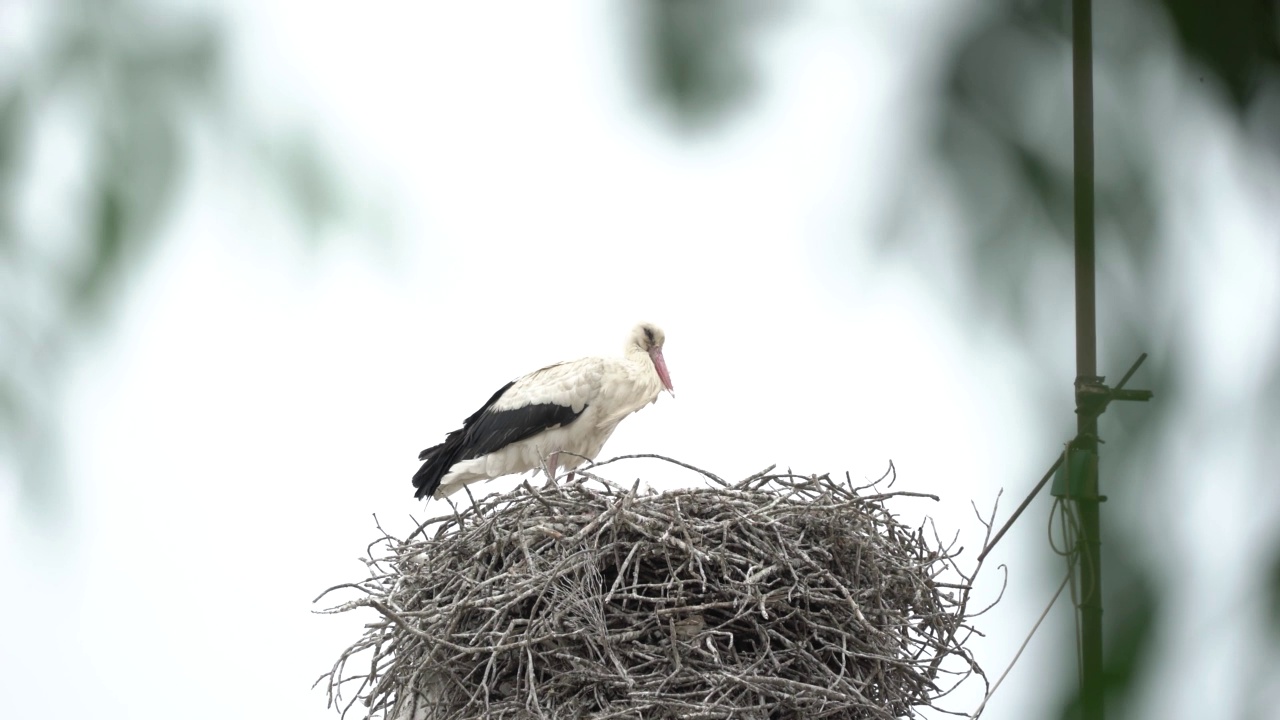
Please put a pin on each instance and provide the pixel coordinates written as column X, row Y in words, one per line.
column 556, row 417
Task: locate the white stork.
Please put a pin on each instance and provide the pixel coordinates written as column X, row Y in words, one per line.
column 569, row 408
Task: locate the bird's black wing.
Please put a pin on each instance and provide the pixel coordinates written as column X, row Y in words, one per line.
column 486, row 431
column 494, row 430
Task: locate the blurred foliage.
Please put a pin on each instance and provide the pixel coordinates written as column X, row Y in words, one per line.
column 696, row 55
column 1002, row 122
column 1003, row 139
column 1238, row 41
column 99, row 121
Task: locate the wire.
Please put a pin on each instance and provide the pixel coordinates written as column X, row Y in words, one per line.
column 1070, row 549
column 1025, row 642
column 1068, row 546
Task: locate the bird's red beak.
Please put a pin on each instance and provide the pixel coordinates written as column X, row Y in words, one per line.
column 660, row 364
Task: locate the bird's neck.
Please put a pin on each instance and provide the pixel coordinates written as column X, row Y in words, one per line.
column 639, row 357
column 642, row 370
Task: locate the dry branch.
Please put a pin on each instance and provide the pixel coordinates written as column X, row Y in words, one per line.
column 780, row 596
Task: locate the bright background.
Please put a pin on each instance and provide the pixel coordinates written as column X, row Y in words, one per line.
column 513, row 196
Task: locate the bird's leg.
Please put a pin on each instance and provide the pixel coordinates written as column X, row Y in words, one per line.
column 553, row 460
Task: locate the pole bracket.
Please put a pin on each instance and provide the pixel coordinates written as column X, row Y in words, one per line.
column 1075, row 479
column 1093, row 396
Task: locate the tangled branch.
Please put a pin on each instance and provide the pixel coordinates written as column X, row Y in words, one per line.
column 780, row 596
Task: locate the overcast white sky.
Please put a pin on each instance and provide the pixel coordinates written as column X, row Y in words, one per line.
column 232, row 436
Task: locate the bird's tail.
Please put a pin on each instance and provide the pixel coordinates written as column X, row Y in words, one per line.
column 427, row 479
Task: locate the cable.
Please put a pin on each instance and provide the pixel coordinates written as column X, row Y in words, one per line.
column 1014, row 661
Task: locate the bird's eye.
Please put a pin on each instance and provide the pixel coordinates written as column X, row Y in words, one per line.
column 648, row 335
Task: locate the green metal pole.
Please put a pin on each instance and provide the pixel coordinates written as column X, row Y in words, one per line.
column 1087, row 411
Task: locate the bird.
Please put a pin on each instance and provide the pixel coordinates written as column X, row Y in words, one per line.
column 556, row 417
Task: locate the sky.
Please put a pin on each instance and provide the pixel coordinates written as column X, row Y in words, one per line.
column 255, row 404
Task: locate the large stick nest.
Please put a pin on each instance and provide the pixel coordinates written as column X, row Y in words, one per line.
column 780, row 596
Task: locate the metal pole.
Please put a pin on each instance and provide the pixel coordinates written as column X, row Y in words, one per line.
column 1087, row 410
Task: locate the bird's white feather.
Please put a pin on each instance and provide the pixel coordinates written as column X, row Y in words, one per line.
column 571, row 384
column 609, row 388
column 600, row 391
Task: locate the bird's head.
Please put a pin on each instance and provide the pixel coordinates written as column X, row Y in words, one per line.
column 648, row 338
